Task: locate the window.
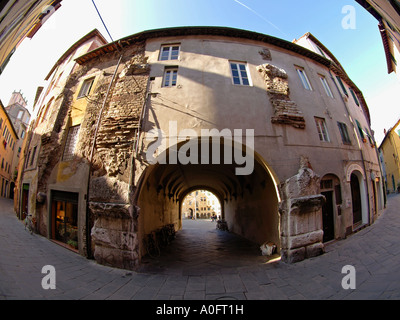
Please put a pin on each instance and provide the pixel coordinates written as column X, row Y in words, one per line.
column 342, row 85
column 320, row 51
column 27, row 159
column 20, row 113
column 371, row 140
column 45, row 111
column 85, row 88
column 170, row 77
column 33, row 155
column 170, row 52
column 355, row 97
column 239, row 73
column 304, row 79
column 360, row 130
column 344, row 133
column 326, row 86
column 69, row 150
column 322, row 130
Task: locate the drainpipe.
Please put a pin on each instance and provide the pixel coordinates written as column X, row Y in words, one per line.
column 88, row 231
column 359, row 144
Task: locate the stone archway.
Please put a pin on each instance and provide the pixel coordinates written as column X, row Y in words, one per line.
column 249, row 202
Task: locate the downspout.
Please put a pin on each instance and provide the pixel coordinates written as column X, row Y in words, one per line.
column 359, row 144
column 88, row 231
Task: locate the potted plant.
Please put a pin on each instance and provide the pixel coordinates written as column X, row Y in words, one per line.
column 73, row 244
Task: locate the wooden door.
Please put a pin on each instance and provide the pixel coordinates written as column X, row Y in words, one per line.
column 356, row 199
column 328, row 217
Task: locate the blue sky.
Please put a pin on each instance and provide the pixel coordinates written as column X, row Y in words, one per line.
column 359, row 50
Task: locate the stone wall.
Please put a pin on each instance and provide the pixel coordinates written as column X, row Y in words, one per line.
column 301, row 215
column 285, row 110
column 112, row 221
column 52, row 141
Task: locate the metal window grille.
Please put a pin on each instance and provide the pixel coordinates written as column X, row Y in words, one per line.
column 69, row 150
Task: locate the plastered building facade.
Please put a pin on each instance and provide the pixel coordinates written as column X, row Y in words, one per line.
column 389, row 151
column 276, row 130
column 8, row 141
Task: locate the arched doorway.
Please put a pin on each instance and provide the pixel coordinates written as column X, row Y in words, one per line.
column 200, row 204
column 356, row 199
column 249, row 203
column 331, row 190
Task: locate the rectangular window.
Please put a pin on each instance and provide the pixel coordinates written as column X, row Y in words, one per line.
column 170, row 77
column 20, row 113
column 69, row 149
column 322, row 130
column 33, row 156
column 170, row 52
column 85, row 88
column 360, row 130
column 371, row 141
column 27, row 159
column 355, row 97
column 304, row 79
column 326, row 86
column 344, row 133
column 239, row 73
column 46, row 110
column 342, row 85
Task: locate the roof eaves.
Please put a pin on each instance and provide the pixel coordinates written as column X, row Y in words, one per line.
column 192, row 31
column 91, row 34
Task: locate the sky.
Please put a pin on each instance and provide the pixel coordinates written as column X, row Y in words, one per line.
column 356, row 43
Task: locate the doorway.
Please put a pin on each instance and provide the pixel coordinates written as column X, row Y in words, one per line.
column 328, row 217
column 201, row 204
column 64, row 218
column 331, row 209
column 356, row 199
column 24, row 201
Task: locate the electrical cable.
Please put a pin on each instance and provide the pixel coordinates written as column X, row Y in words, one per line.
column 112, row 40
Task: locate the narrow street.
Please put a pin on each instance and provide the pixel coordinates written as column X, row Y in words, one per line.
column 204, row 264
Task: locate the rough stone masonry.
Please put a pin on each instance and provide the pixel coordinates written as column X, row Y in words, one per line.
column 301, row 215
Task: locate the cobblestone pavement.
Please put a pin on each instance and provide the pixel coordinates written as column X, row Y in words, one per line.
column 203, row 263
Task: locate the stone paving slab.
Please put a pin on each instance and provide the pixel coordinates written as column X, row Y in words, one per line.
column 219, row 266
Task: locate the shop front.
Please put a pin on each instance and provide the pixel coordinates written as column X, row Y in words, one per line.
column 64, row 218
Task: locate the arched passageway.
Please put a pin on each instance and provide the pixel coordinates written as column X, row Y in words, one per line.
column 249, row 203
column 201, row 204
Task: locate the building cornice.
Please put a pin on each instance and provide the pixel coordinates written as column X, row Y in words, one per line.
column 201, row 31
